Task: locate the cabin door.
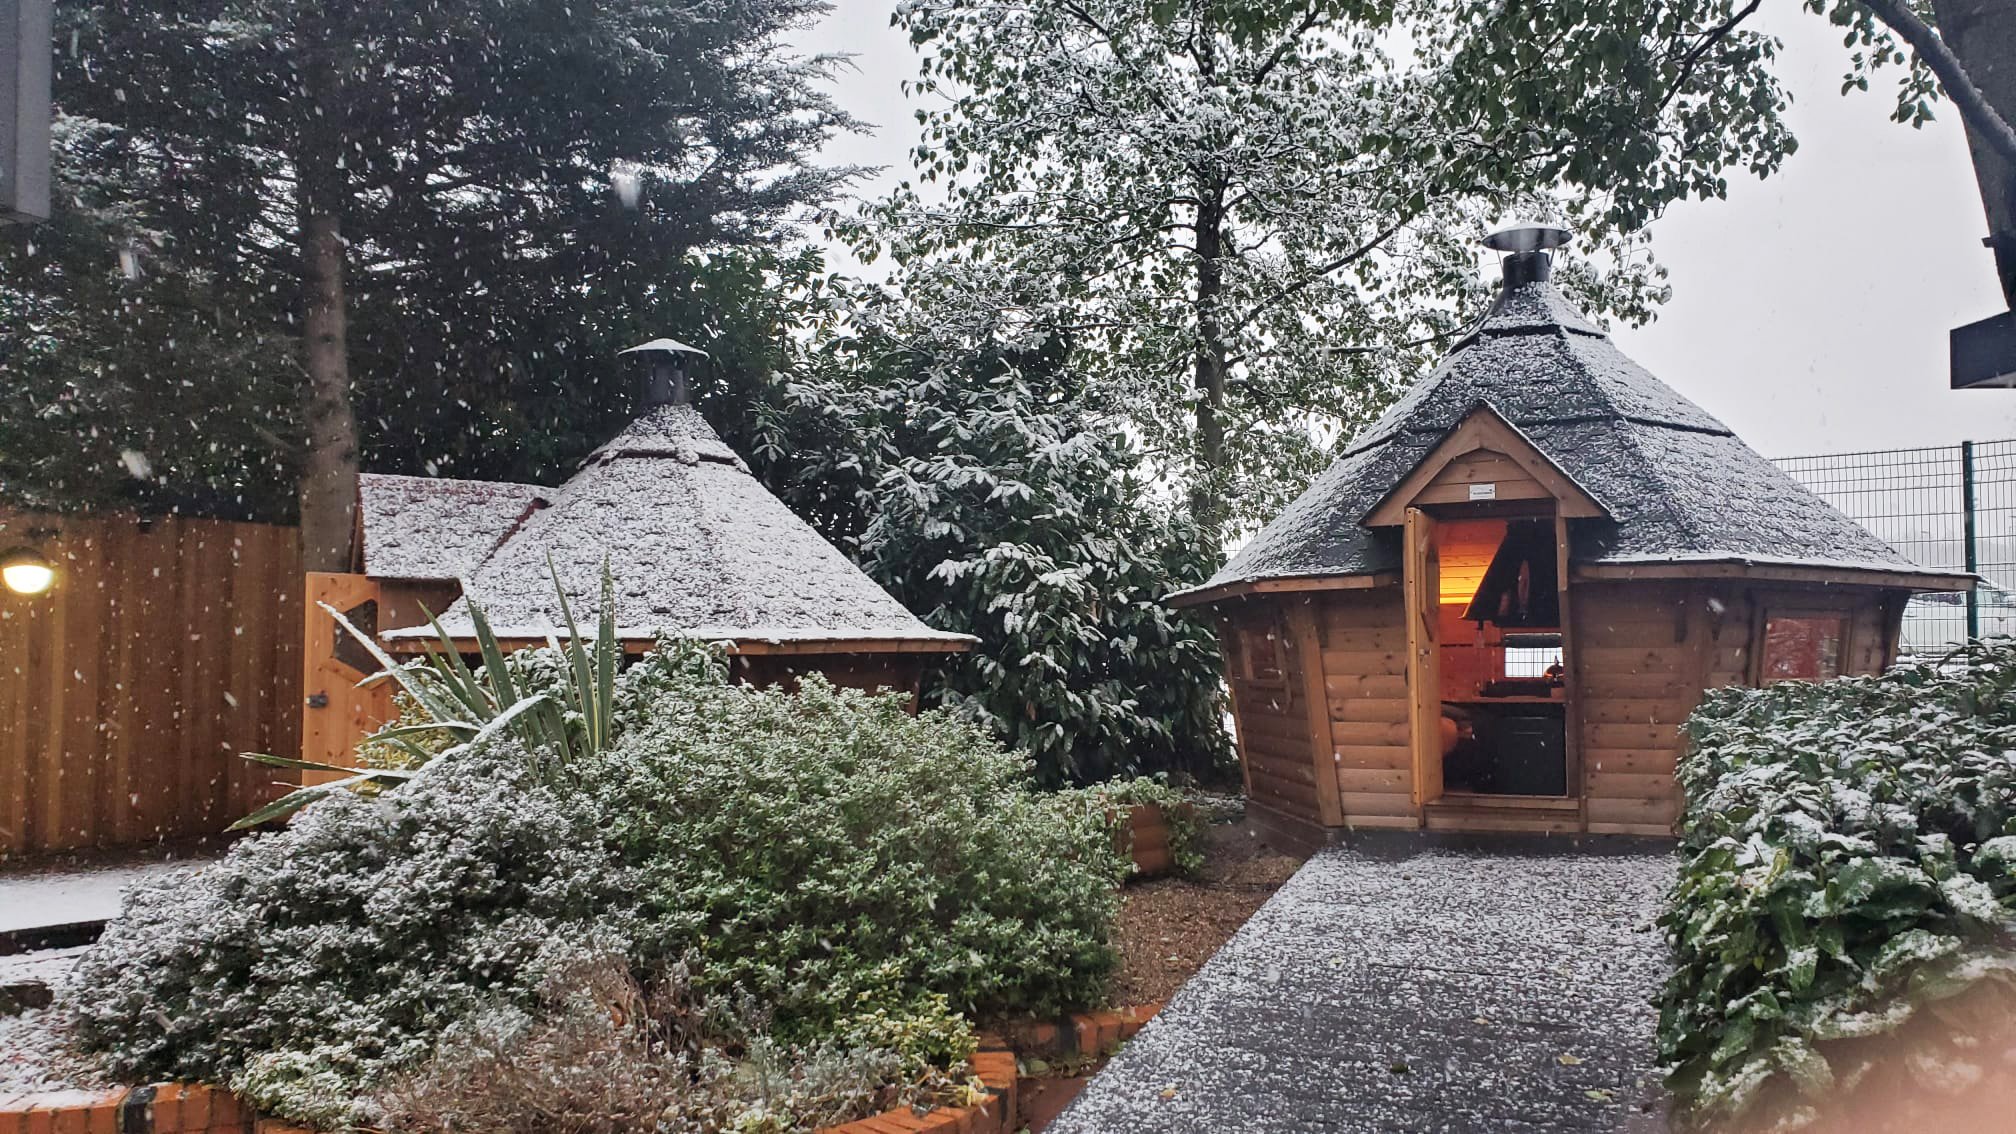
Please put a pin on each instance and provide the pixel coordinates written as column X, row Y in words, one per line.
column 1422, row 577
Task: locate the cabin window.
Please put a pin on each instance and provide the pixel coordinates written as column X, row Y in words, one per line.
column 1261, row 659
column 1803, row 646
column 1532, row 655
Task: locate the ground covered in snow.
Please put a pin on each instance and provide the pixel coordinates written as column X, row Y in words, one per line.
column 1395, row 987
column 87, row 886
column 33, row 1056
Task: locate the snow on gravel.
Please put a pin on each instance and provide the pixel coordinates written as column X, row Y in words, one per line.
column 1402, row 987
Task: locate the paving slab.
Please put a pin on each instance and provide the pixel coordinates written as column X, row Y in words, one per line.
column 1399, row 986
column 83, row 890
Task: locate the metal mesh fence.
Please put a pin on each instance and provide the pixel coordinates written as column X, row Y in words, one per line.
column 1952, row 506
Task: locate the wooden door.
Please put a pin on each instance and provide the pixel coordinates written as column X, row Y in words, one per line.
column 335, row 714
column 1421, row 576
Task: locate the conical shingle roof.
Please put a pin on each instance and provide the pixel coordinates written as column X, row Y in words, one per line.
column 698, row 548
column 1678, row 484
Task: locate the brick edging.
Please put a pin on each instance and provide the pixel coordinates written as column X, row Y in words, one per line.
column 162, row 1108
column 997, row 1065
column 198, row 1108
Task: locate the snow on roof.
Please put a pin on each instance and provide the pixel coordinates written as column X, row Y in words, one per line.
column 697, row 547
column 1679, row 484
column 418, row 527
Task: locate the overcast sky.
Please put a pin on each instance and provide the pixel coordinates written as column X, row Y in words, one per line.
column 1809, row 311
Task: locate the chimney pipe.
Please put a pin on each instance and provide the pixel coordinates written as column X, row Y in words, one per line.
column 665, row 377
column 1526, row 247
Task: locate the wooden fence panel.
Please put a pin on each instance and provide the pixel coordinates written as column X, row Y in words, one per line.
column 166, row 647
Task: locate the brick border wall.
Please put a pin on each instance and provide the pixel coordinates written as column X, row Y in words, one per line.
column 196, row 1108
column 996, row 1064
column 167, row 1108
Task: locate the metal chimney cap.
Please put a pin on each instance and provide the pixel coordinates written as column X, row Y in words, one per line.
column 667, row 346
column 1528, row 238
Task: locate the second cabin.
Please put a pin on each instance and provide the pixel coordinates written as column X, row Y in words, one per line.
column 1496, row 608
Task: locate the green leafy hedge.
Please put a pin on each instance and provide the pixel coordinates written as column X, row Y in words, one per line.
column 1849, row 864
column 829, row 853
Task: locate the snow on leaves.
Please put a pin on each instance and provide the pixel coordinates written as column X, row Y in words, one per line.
column 1847, row 866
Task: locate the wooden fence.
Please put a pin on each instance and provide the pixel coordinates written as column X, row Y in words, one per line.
column 166, row 647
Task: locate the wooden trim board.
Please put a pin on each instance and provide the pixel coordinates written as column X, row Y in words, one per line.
column 1484, row 429
column 1287, row 585
column 1773, row 572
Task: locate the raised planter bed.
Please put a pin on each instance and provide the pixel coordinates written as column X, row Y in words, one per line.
column 1146, row 836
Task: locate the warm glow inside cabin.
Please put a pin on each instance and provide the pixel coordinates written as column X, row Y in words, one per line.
column 1498, row 634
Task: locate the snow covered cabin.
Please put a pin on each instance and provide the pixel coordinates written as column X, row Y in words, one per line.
column 1496, row 608
column 697, row 547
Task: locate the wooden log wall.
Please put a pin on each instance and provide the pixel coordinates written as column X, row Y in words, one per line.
column 1640, row 659
column 1270, row 710
column 1645, row 654
column 165, row 648
column 1644, row 651
column 1365, row 675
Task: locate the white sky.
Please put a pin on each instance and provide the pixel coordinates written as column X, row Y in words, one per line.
column 1809, row 312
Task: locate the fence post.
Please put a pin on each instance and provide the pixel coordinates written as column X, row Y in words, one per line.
column 1967, row 535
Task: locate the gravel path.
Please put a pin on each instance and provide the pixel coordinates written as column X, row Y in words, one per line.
column 1394, row 987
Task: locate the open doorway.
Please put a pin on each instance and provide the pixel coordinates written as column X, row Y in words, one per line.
column 1499, row 666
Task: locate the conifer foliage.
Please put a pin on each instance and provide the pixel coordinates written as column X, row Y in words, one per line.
column 438, row 218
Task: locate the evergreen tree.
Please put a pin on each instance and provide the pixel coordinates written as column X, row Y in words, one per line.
column 969, row 475
column 449, row 213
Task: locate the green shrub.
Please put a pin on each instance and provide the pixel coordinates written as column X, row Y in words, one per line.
column 1849, row 862
column 831, row 854
column 310, row 960
column 854, row 877
column 926, row 1037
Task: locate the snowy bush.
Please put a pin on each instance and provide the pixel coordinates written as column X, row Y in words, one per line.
column 831, row 854
column 851, row 877
column 976, row 482
column 310, row 960
column 1849, row 868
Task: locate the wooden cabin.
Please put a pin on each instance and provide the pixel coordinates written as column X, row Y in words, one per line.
column 697, row 547
column 1493, row 612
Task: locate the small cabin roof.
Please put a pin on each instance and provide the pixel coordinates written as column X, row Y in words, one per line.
column 698, row 548
column 421, row 527
column 1680, row 486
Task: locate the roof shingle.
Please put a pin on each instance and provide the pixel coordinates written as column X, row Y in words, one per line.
column 418, row 527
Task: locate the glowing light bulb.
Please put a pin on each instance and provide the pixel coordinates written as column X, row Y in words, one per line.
column 26, row 572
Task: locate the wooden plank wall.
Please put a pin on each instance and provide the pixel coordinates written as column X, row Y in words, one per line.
column 1365, row 675
column 126, row 691
column 1270, row 714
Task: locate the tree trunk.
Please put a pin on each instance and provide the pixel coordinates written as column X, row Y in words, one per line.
column 329, row 470
column 1208, row 504
column 1982, row 35
column 1207, row 493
